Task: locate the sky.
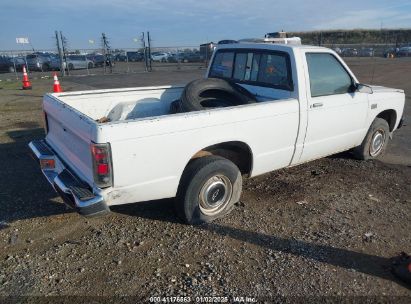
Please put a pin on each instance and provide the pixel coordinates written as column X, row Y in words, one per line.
column 185, row 22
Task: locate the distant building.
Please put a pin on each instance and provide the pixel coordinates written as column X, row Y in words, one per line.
column 206, row 50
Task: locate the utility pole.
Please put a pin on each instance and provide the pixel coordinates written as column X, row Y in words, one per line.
column 143, row 40
column 149, row 50
column 64, row 47
column 106, row 52
column 60, row 54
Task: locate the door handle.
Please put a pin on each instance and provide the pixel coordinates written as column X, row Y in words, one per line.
column 317, row 105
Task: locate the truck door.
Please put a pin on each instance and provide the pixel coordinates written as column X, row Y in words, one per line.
column 336, row 113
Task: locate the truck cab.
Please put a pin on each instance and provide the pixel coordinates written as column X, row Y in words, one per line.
column 336, row 110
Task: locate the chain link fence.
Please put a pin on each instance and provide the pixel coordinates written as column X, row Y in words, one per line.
column 78, row 62
column 371, row 50
column 41, row 63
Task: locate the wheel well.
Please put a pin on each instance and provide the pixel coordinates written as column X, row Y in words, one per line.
column 236, row 151
column 390, row 116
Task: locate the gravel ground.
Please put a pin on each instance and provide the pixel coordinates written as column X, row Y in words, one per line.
column 321, row 231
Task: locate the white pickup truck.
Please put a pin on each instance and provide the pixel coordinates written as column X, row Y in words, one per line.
column 308, row 105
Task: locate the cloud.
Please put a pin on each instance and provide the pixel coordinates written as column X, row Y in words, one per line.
column 188, row 22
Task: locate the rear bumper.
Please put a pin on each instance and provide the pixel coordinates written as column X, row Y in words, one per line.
column 74, row 192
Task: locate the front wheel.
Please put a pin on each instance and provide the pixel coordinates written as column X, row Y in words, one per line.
column 208, row 189
column 375, row 142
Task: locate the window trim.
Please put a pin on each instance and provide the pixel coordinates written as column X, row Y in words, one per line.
column 339, row 62
column 289, row 87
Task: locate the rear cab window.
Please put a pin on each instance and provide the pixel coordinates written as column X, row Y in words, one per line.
column 254, row 67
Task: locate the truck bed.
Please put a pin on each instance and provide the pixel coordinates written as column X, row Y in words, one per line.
column 123, row 104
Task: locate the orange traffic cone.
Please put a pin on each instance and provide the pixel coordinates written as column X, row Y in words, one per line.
column 56, row 88
column 26, row 81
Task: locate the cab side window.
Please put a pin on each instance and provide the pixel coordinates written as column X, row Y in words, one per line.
column 327, row 75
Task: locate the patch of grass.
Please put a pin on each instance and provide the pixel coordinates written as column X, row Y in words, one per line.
column 10, row 85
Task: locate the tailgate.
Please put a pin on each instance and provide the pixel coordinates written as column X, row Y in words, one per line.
column 70, row 135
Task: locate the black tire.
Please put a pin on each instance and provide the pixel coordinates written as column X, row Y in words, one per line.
column 90, row 65
column 375, row 142
column 208, row 93
column 223, row 192
column 71, row 67
column 45, row 67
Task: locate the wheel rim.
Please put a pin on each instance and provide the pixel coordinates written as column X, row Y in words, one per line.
column 215, row 194
column 377, row 142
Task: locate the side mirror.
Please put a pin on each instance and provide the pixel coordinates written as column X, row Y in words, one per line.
column 363, row 88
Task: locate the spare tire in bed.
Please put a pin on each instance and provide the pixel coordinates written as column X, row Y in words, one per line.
column 209, row 93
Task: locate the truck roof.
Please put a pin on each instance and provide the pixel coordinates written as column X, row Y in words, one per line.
column 267, row 46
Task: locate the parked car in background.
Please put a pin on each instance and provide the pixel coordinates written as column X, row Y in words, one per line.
column 55, row 63
column 337, row 50
column 99, row 60
column 135, row 56
column 39, row 61
column 175, row 57
column 390, row 53
column 404, row 51
column 349, row 52
column 161, row 57
column 191, row 57
column 75, row 62
column 120, row 57
column 16, row 64
column 184, row 57
column 367, row 52
column 5, row 64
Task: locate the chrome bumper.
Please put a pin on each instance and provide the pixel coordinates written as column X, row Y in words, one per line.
column 74, row 192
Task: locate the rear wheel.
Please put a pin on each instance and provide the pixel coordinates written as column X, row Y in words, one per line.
column 375, row 142
column 208, row 189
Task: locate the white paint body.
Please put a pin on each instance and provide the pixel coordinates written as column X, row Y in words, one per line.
column 150, row 148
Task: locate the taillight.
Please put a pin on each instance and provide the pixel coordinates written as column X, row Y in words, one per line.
column 47, row 163
column 102, row 168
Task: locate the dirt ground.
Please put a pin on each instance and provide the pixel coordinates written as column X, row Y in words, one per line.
column 323, row 231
